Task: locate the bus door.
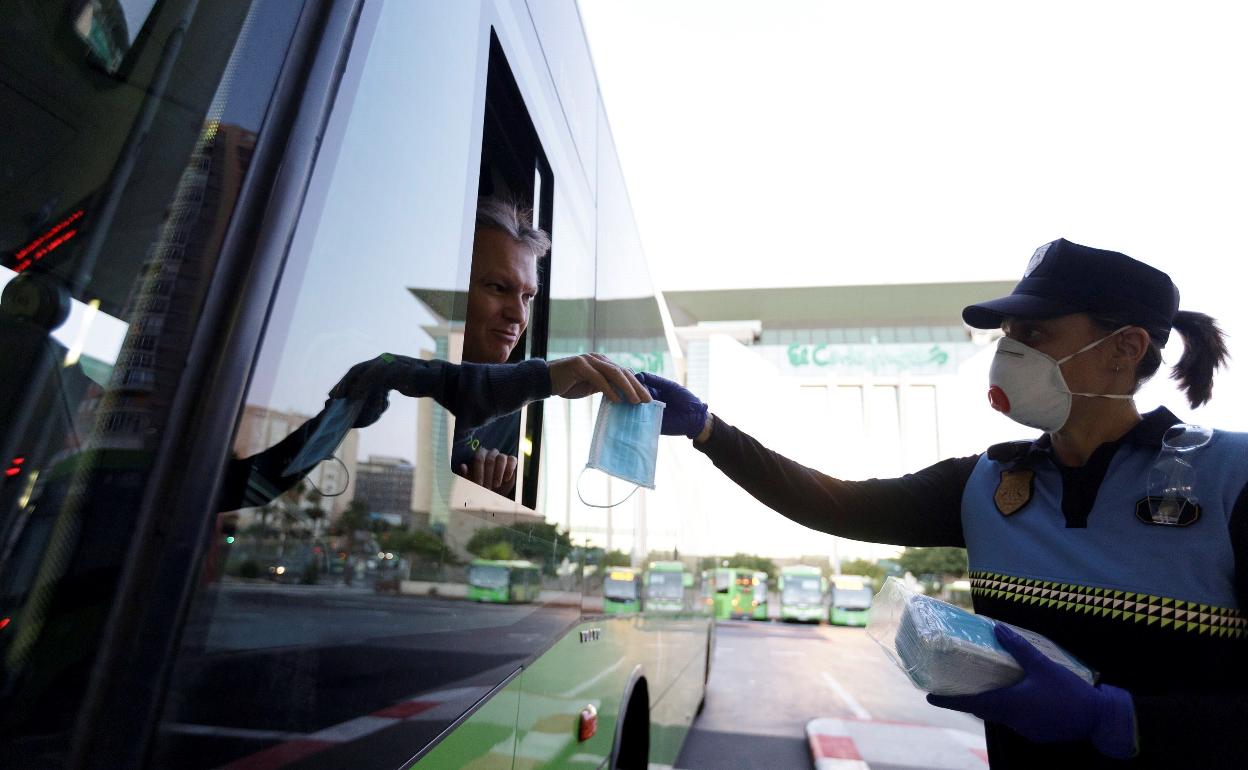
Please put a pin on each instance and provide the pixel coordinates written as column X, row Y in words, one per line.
column 759, row 597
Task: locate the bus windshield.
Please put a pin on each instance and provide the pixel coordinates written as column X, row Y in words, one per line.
column 620, row 590
column 852, row 599
column 487, row 576
column 802, row 589
column 666, row 585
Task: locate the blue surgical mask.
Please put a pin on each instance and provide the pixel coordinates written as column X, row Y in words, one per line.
column 335, row 422
column 626, row 442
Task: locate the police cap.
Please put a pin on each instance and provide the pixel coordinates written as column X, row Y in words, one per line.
column 1064, row 278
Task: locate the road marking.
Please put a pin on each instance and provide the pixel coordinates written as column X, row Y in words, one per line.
column 844, row 695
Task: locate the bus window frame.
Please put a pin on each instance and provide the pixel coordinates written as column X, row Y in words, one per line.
column 506, row 122
column 117, row 722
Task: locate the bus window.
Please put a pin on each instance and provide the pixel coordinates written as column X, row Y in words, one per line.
column 368, row 583
column 507, row 303
column 849, row 600
column 802, row 590
column 127, row 142
column 621, row 591
column 665, row 587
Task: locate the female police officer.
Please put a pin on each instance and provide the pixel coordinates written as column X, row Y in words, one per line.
column 1061, row 532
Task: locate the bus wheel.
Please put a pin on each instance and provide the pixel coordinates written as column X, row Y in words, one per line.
column 633, row 750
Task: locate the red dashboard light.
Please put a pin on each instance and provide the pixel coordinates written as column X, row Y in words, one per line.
column 45, row 244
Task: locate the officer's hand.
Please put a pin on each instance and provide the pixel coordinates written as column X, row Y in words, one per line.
column 583, row 375
column 491, row 469
column 1050, row 703
column 684, row 413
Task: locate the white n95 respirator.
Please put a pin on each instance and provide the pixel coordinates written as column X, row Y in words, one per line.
column 1028, row 387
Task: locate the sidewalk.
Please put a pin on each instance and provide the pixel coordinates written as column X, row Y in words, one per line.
column 854, row 744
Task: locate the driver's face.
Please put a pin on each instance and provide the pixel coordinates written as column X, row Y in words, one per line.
column 500, row 296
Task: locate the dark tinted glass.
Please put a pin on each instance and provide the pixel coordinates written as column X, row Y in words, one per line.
column 361, row 597
column 128, row 133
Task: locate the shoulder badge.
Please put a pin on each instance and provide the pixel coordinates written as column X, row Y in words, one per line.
column 1014, row 491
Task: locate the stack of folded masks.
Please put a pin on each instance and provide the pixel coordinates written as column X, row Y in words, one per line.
column 948, row 651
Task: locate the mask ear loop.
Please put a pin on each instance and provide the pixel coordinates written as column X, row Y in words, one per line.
column 345, row 470
column 592, row 505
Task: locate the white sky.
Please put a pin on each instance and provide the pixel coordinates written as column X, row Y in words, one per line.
column 903, row 141
column 812, row 143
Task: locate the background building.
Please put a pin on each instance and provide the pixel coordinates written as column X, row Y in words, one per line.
column 855, row 381
column 384, row 485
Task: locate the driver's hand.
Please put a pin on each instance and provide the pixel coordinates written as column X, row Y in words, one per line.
column 491, row 469
column 589, row 373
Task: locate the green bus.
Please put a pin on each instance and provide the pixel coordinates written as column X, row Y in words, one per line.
column 219, row 208
column 801, row 593
column 849, row 600
column 706, row 592
column 665, row 586
column 740, row 593
column 504, row 582
column 621, row 591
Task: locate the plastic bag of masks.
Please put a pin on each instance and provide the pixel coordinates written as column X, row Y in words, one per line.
column 945, row 649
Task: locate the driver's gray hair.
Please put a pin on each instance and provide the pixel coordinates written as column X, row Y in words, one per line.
column 513, row 219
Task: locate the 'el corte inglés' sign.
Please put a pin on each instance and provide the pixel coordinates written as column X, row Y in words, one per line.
column 881, row 359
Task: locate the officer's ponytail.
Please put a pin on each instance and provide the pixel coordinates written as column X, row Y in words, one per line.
column 1204, row 351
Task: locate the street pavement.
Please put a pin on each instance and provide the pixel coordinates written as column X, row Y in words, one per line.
column 769, row 680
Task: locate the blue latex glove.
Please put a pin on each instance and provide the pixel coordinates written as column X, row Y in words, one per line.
column 1051, row 704
column 684, row 413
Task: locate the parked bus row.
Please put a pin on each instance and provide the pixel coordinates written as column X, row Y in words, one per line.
column 805, row 595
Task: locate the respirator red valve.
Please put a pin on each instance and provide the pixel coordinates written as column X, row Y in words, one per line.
column 998, row 399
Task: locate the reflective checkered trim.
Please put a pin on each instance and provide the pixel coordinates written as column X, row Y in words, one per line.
column 1118, row 605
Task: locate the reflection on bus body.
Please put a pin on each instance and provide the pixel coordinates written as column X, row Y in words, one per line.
column 504, row 581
